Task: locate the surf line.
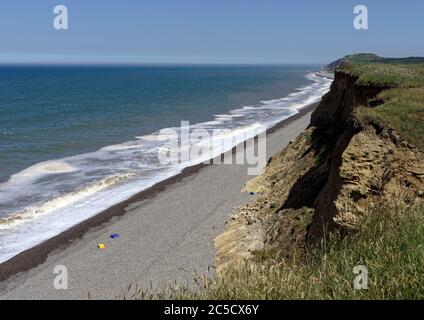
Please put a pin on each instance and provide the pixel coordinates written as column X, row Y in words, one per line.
column 205, row 146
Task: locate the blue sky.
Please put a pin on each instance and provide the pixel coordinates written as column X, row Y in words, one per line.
column 206, row 31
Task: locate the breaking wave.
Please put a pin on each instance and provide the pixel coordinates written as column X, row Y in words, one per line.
column 51, row 197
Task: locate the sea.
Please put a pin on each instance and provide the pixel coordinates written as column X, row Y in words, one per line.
column 75, row 140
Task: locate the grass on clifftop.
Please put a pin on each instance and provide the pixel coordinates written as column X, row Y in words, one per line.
column 402, row 107
column 403, row 111
column 373, row 58
column 390, row 243
column 387, row 74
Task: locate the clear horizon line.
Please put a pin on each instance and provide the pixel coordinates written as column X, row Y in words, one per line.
column 30, row 63
column 58, row 59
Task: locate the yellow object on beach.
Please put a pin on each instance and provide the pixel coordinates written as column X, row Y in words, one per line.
column 101, row 246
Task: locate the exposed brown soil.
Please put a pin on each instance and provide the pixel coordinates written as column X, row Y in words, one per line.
column 323, row 180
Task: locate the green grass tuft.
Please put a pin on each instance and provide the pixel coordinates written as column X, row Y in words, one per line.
column 403, row 111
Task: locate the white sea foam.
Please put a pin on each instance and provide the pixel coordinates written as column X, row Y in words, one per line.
column 120, row 147
column 60, row 202
column 212, row 123
column 41, row 169
column 50, row 197
column 155, row 137
column 22, row 235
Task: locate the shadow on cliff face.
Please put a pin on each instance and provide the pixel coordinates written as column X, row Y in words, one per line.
column 334, row 126
column 300, row 192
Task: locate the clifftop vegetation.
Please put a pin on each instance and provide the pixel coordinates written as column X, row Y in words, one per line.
column 349, row 191
column 401, row 105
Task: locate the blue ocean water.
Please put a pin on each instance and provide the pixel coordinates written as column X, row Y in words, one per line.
column 75, row 140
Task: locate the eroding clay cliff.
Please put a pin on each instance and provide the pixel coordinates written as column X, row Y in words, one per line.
column 325, row 179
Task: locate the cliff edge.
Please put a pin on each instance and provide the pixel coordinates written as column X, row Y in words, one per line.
column 362, row 148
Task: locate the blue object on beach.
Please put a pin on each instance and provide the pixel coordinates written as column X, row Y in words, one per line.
column 252, row 193
column 115, row 236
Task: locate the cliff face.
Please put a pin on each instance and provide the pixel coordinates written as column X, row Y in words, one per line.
column 325, row 179
column 334, row 126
